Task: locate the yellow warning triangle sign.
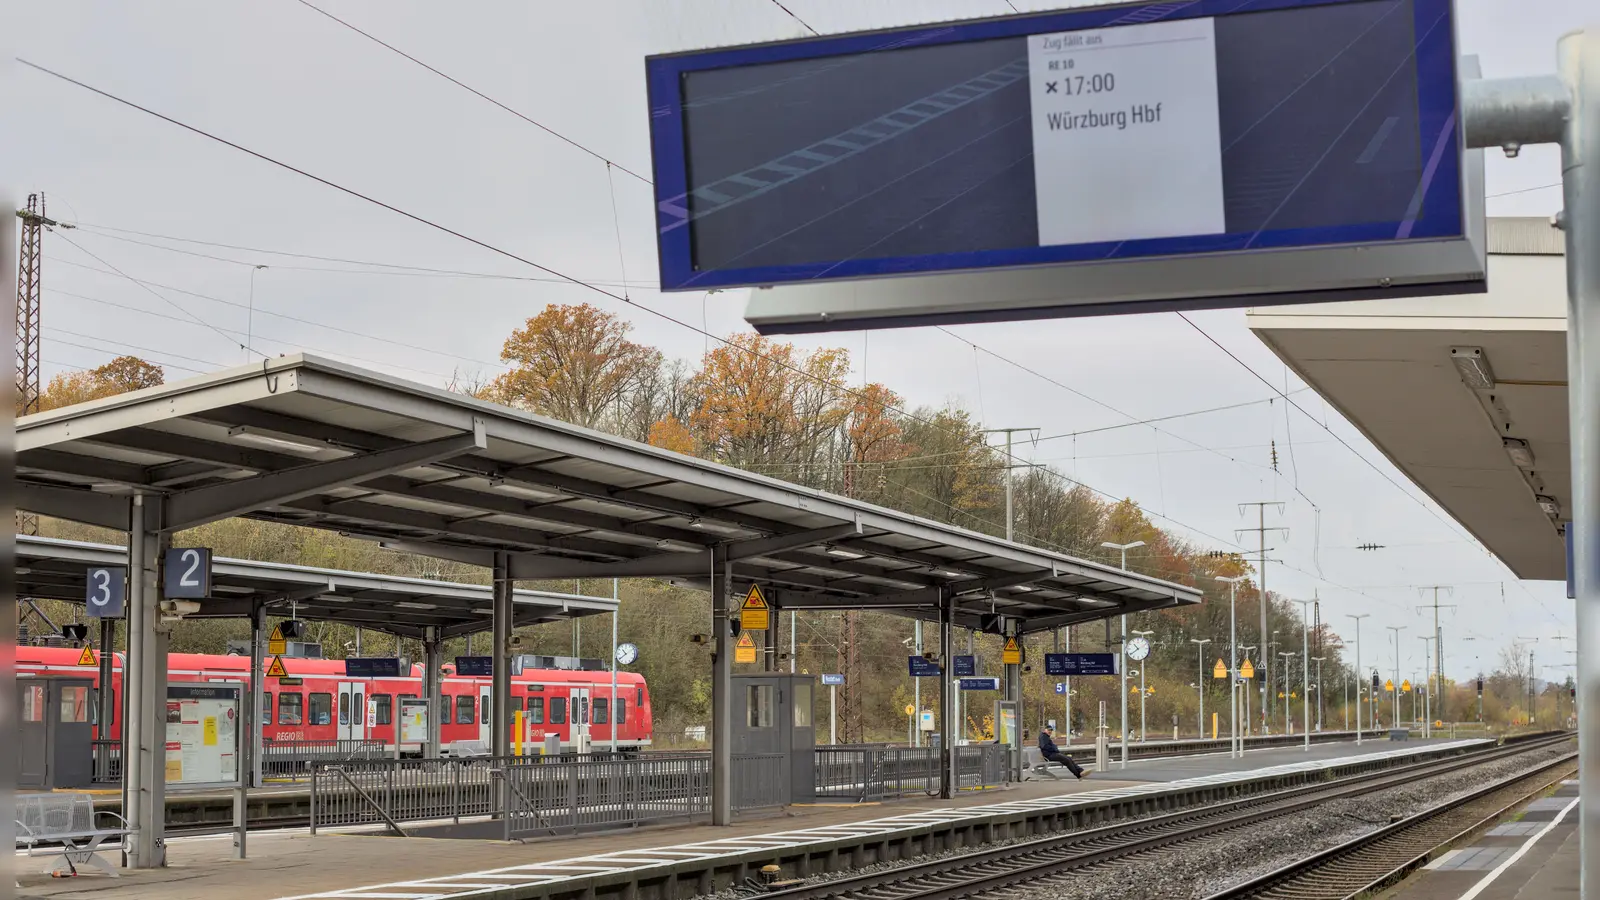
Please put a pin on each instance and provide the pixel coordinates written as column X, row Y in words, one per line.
column 86, row 658
column 1247, row 670
column 1389, row 685
column 1220, row 670
column 754, row 613
column 1012, row 654
column 277, row 633
column 754, row 599
column 1405, row 686
column 277, row 670
column 745, row 640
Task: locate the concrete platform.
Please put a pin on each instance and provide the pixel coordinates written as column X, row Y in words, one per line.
column 1197, row 766
column 1531, row 855
column 688, row 859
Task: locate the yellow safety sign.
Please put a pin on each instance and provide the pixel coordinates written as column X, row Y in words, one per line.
column 1220, row 671
column 1246, row 670
column 1012, row 654
column 86, row 658
column 276, row 669
column 1389, row 685
column 276, row 645
column 745, row 650
column 1405, row 686
column 910, row 710
column 755, row 614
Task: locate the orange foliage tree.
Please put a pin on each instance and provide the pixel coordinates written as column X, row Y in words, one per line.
column 574, row 363
column 121, row 375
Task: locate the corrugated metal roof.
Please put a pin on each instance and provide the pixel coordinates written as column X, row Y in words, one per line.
column 1525, row 236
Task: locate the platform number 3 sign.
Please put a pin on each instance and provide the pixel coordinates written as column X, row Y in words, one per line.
column 104, row 591
column 188, row 573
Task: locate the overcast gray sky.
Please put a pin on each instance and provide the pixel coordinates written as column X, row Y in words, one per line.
column 279, row 78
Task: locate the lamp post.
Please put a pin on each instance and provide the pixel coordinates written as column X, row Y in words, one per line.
column 1244, row 691
column 1200, row 646
column 1235, row 748
column 1427, row 696
column 1358, row 675
column 1142, row 693
column 1320, row 705
column 1396, row 629
column 1288, row 660
column 1123, row 549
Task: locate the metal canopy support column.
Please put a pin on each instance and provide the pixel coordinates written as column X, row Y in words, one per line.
column 258, row 624
column 133, row 690
column 146, row 669
column 500, row 675
column 430, row 687
column 721, row 691
column 1013, row 694
column 1511, row 112
column 949, row 719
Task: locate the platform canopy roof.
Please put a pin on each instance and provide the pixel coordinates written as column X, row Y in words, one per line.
column 51, row 569
column 306, row 441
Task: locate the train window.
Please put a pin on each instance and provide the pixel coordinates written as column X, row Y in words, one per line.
column 486, row 714
column 600, row 715
column 359, row 713
column 516, row 707
column 266, row 708
column 759, row 702
column 580, row 711
column 536, row 710
column 536, row 687
column 622, row 711
column 94, row 706
column 638, row 697
column 291, row 709
column 75, row 703
column 344, row 708
column 321, row 709
column 558, row 710
column 33, row 703
column 802, row 705
column 464, row 707
column 385, row 713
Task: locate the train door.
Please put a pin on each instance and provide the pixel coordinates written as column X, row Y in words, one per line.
column 486, row 714
column 352, row 717
column 578, row 709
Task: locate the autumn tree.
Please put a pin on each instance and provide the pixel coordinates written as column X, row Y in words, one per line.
column 671, row 434
column 573, row 363
column 121, row 375
column 762, row 406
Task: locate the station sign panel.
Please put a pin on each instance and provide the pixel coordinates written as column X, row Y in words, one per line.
column 105, row 591
column 1135, row 157
column 1080, row 664
column 965, row 666
column 922, row 667
column 187, row 573
column 475, row 666
column 372, row 667
column 832, row 680
column 980, row 684
column 203, row 726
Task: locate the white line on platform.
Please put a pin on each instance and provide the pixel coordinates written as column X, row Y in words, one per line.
column 1527, row 845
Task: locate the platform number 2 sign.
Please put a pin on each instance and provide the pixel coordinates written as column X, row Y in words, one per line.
column 188, row 573
column 104, row 591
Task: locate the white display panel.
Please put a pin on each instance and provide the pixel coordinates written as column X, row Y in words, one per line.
column 1126, row 139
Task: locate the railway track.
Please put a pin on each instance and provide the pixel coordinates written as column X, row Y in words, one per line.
column 1386, row 856
column 995, row 869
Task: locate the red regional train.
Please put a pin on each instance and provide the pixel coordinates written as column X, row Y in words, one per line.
column 317, row 701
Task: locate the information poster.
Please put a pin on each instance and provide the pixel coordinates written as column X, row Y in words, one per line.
column 413, row 720
column 202, row 740
column 1126, row 140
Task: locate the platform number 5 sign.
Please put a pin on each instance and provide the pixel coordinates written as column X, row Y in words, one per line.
column 104, row 591
column 188, row 573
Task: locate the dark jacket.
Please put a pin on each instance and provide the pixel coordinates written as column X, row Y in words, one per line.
column 1046, row 745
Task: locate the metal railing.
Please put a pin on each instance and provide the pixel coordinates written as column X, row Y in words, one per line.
column 545, row 798
column 390, row 791
column 294, row 759
column 107, row 761
column 865, row 774
column 760, row 780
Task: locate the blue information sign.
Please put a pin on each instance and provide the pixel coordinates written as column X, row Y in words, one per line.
column 830, row 680
column 1061, row 687
column 1080, row 664
column 923, row 668
column 980, row 684
column 188, row 573
column 475, row 666
column 372, row 667
column 964, row 146
column 966, row 666
column 105, row 591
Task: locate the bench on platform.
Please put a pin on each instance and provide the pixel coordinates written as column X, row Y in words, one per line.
column 1034, row 761
column 468, row 749
column 67, row 825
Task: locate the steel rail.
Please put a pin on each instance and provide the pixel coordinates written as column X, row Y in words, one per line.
column 991, row 869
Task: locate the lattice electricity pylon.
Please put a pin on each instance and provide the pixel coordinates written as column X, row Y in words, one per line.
column 850, row 725
column 29, row 284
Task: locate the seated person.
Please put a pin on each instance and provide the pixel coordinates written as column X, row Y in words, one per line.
column 1052, row 753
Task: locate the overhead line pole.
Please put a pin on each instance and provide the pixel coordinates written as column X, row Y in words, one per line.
column 1436, row 673
column 1260, row 531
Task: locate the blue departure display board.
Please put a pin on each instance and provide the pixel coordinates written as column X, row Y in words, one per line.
column 1086, row 135
column 372, row 667
column 966, row 666
column 1080, row 664
column 923, row 668
column 475, row 666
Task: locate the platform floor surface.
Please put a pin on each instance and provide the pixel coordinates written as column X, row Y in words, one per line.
column 1530, row 855
column 294, row 864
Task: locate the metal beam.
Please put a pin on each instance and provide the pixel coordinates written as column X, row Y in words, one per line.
column 198, row 506
column 88, row 507
column 721, row 692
